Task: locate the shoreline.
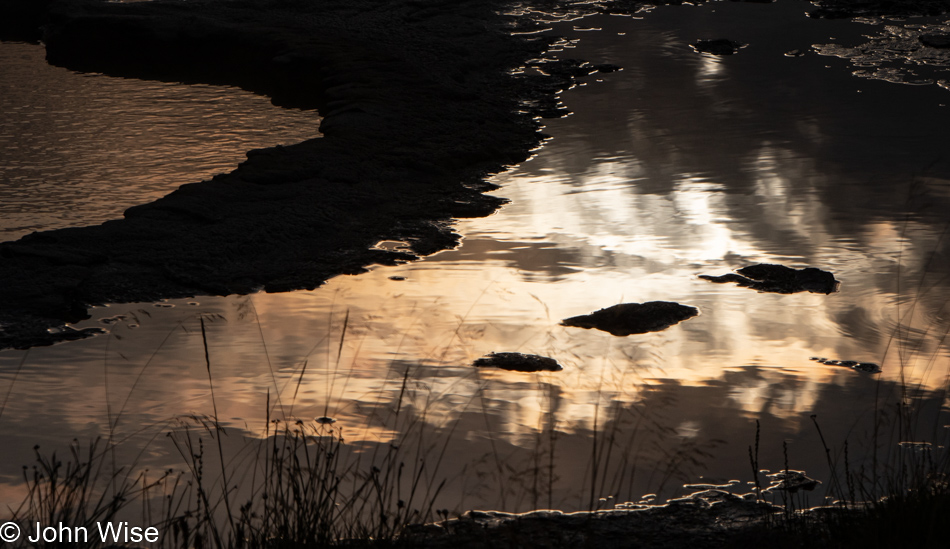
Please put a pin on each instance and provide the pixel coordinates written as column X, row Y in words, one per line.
column 416, row 114
column 196, row 207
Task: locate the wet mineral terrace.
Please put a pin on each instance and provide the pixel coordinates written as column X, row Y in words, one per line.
column 682, row 164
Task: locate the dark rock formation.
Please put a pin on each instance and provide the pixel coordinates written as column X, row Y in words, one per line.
column 719, row 46
column 607, row 67
column 837, row 9
column 518, row 362
column 634, row 318
column 791, row 481
column 418, row 103
column 705, row 519
column 780, row 279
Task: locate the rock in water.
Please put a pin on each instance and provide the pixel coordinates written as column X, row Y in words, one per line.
column 780, row 279
column 791, row 481
column 518, row 362
column 719, row 46
column 634, row 318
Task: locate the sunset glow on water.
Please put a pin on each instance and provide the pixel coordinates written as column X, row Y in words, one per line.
column 679, row 165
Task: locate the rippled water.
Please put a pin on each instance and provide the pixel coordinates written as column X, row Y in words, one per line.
column 78, row 150
column 681, row 164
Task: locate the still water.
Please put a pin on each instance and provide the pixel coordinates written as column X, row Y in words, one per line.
column 80, row 149
column 681, row 164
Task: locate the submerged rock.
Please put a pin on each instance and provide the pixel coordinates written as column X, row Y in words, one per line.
column 634, row 318
column 519, row 362
column 719, row 46
column 780, row 279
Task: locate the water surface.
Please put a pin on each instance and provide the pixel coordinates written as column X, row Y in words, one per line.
column 79, row 149
column 681, row 164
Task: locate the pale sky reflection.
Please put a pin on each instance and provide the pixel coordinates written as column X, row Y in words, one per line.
column 709, row 70
column 485, row 306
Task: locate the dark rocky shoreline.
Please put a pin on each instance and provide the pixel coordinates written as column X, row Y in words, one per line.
column 693, row 521
column 419, row 106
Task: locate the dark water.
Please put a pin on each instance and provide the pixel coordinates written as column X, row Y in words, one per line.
column 681, row 164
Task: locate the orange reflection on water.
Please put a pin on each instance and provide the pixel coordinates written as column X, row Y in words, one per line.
column 630, row 202
column 147, row 139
